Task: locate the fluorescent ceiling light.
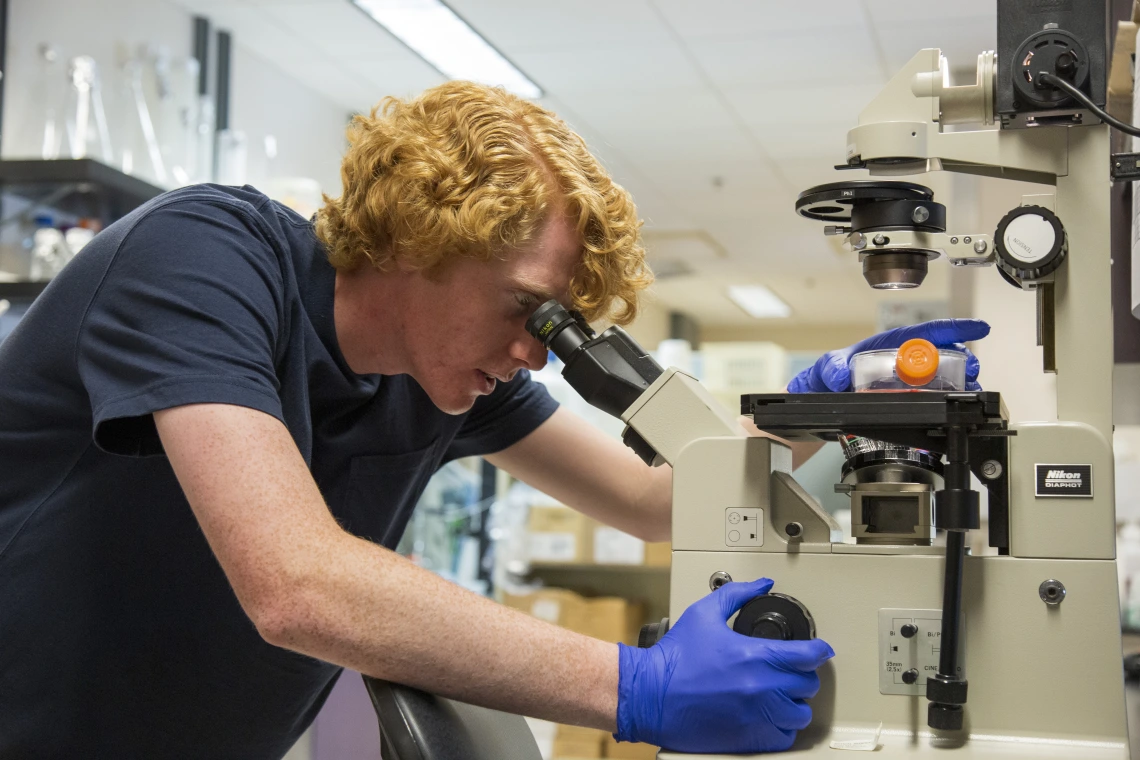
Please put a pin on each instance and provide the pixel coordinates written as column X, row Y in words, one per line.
column 758, row 301
column 435, row 33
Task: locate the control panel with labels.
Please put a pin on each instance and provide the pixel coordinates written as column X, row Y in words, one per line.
column 743, row 527
column 909, row 646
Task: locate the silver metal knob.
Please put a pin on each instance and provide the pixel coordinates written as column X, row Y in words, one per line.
column 718, row 579
column 1052, row 592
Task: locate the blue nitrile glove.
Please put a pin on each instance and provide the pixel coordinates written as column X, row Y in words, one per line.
column 832, row 371
column 706, row 688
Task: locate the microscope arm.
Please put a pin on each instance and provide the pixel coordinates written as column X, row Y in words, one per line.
column 664, row 410
column 674, row 411
column 900, row 131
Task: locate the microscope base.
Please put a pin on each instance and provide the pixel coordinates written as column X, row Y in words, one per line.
column 1017, row 650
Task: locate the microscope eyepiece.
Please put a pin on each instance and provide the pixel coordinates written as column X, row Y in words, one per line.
column 559, row 330
column 609, row 371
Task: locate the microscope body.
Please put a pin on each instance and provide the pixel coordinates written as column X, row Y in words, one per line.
column 1026, row 662
column 1045, row 678
column 1038, row 624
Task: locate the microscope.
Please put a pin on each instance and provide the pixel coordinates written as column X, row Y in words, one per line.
column 938, row 652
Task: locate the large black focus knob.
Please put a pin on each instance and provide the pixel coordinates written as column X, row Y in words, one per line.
column 1031, row 243
column 651, row 633
column 775, row 616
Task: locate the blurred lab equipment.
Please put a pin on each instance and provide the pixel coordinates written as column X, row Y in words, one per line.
column 87, row 133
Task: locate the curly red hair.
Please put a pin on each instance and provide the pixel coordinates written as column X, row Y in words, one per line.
column 470, row 170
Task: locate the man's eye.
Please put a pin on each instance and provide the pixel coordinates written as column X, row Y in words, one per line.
column 526, row 300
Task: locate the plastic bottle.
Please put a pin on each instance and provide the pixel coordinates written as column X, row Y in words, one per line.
column 1128, row 569
column 45, row 244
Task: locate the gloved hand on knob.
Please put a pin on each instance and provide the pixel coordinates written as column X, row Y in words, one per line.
column 705, row 688
column 831, row 373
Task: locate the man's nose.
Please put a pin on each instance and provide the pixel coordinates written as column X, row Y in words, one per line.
column 530, row 352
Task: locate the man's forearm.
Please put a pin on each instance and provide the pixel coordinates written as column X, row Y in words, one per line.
column 369, row 609
column 310, row 586
column 596, row 474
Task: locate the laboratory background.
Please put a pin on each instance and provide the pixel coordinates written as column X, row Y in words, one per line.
column 718, row 116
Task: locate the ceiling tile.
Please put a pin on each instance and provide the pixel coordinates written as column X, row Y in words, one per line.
column 339, row 28
column 692, row 109
column 817, row 103
column 665, row 144
column 582, row 25
column 823, row 142
column 826, row 57
column 624, row 69
column 404, row 78
column 890, row 13
column 961, row 41
column 756, row 18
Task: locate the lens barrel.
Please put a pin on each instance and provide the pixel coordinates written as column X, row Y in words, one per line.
column 559, row 330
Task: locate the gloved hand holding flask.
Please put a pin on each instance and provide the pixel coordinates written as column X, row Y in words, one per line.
column 705, row 688
column 832, row 371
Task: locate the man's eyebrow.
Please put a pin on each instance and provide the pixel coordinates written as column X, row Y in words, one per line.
column 539, row 291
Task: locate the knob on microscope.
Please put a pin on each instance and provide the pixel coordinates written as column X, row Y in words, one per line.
column 1031, row 243
column 870, row 210
column 775, row 616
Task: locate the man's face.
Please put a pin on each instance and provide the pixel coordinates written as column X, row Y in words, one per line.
column 465, row 330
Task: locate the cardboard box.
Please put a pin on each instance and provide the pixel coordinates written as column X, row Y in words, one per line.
column 576, row 751
column 578, row 742
column 615, row 547
column 554, row 605
column 614, row 619
column 580, row 733
column 659, row 554
column 559, row 535
column 628, row 751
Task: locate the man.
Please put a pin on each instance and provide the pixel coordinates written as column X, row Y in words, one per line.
column 215, row 422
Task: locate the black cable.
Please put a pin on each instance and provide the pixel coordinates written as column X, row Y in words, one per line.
column 1046, row 78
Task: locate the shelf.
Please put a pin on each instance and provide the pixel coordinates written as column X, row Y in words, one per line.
column 81, row 186
column 540, row 567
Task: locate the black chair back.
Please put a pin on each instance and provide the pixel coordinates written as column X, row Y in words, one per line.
column 415, row 725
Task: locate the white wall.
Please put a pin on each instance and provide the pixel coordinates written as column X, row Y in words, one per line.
column 308, row 126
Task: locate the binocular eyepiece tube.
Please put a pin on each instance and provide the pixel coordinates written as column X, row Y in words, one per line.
column 559, row 330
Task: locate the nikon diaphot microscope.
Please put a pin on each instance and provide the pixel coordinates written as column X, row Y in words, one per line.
column 939, row 653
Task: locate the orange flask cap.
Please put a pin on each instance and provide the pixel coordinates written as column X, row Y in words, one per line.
column 916, row 363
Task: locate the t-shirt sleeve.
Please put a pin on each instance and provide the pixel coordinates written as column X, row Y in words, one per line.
column 506, row 416
column 190, row 311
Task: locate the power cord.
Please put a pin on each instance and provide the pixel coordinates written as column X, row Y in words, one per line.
column 1046, row 78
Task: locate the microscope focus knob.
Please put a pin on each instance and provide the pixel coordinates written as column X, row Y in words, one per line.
column 1031, row 242
column 775, row 616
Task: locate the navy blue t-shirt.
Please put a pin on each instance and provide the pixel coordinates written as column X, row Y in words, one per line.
column 119, row 633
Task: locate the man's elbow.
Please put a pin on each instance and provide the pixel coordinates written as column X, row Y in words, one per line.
column 285, row 610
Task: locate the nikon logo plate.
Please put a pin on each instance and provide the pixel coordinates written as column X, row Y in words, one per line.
column 1064, row 480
